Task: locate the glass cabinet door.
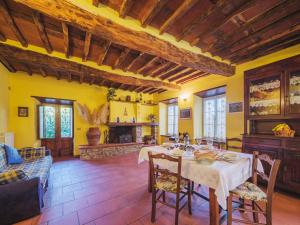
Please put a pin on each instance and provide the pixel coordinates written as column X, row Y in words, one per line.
column 293, row 93
column 265, row 96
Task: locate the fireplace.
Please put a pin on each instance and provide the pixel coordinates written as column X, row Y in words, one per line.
column 125, row 134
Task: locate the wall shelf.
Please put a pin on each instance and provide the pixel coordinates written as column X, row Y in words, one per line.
column 121, row 124
column 133, row 102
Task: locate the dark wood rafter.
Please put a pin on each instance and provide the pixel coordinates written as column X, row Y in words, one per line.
column 147, row 65
column 121, row 59
column 160, row 68
column 274, row 14
column 152, row 12
column 57, row 74
column 8, row 66
column 87, row 44
column 170, row 70
column 96, row 2
column 43, row 71
column 11, row 23
column 81, row 78
column 103, row 52
column 125, row 7
column 65, row 30
column 42, row 32
column 161, row 91
column 140, row 89
column 220, row 5
column 182, row 75
column 190, row 78
column 57, row 64
column 218, row 23
column 137, row 40
column 179, row 12
column 136, row 59
column 69, row 77
column 2, row 37
column 27, row 69
column 149, row 90
column 153, row 91
column 92, row 80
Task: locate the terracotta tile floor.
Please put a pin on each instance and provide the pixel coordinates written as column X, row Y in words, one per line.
column 114, row 192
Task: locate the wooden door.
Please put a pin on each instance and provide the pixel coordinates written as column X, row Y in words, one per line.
column 56, row 128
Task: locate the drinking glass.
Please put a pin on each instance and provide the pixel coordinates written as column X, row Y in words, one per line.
column 198, row 141
column 210, row 143
column 176, row 140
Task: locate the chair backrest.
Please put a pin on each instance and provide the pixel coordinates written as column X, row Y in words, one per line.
column 234, row 144
column 156, row 171
column 271, row 177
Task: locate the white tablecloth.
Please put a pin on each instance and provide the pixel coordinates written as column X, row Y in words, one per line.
column 221, row 176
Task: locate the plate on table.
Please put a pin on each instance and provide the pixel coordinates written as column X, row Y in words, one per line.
column 205, row 157
column 204, row 147
column 176, row 152
column 229, row 157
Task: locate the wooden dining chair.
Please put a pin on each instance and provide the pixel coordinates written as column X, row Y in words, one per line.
column 251, row 192
column 164, row 181
column 234, row 144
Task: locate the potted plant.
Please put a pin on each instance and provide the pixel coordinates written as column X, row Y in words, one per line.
column 152, row 117
column 95, row 118
column 111, row 94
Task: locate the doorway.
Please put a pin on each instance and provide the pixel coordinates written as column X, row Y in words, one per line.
column 56, row 128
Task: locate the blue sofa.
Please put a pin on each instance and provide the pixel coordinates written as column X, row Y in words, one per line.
column 22, row 199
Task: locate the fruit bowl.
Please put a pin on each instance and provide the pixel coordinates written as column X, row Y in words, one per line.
column 283, row 130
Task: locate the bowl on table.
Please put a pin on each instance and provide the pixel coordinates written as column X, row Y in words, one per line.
column 205, row 157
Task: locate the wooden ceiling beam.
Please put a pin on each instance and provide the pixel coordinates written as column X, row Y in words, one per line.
column 147, row 65
column 153, row 91
column 35, row 58
column 190, row 78
column 8, row 66
column 27, row 69
column 11, row 23
column 181, row 76
column 149, row 90
column 103, row 52
column 152, row 12
column 125, row 7
column 137, row 40
column 161, row 91
column 219, row 23
column 137, row 58
column 121, row 58
column 179, row 12
column 42, row 32
column 274, row 14
column 139, row 89
column 170, row 70
column 69, row 76
column 160, row 68
column 87, row 44
column 81, row 78
column 43, row 71
column 65, row 30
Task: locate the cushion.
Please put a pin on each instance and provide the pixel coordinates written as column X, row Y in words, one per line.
column 3, row 163
column 12, row 176
column 29, row 154
column 12, row 155
column 169, row 183
column 250, row 191
column 37, row 168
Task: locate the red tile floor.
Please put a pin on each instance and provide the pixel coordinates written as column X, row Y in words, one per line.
column 114, row 192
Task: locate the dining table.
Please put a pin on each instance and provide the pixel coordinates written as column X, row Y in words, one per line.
column 220, row 176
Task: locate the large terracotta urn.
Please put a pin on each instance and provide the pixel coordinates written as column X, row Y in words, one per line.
column 93, row 136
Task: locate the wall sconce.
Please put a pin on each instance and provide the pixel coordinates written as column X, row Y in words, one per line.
column 184, row 97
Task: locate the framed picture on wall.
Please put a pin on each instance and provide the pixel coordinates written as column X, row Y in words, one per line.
column 22, row 111
column 235, row 107
column 185, row 113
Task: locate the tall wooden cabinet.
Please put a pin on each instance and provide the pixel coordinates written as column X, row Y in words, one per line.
column 272, row 96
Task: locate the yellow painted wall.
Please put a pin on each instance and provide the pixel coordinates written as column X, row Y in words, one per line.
column 4, row 86
column 234, row 91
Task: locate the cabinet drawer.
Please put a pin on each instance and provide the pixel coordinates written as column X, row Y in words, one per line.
column 263, row 141
column 292, row 144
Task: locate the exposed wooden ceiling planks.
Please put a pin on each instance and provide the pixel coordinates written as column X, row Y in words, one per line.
column 170, row 70
column 153, row 11
column 147, row 65
column 160, row 68
column 10, row 21
column 2, row 37
column 137, row 40
column 8, row 66
column 103, row 52
column 41, row 29
column 179, row 12
column 137, row 58
column 180, row 73
column 190, row 78
column 121, row 58
column 43, row 71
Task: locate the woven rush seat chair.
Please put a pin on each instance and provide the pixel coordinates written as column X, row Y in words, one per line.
column 164, row 181
column 249, row 191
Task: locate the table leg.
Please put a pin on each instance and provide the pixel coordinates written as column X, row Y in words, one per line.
column 214, row 215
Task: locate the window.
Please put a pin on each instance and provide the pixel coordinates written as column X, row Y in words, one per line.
column 173, row 119
column 214, row 109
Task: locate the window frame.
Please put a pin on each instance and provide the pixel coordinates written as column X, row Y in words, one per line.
column 174, row 118
column 215, row 97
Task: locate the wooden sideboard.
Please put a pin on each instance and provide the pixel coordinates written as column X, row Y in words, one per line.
column 272, row 97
